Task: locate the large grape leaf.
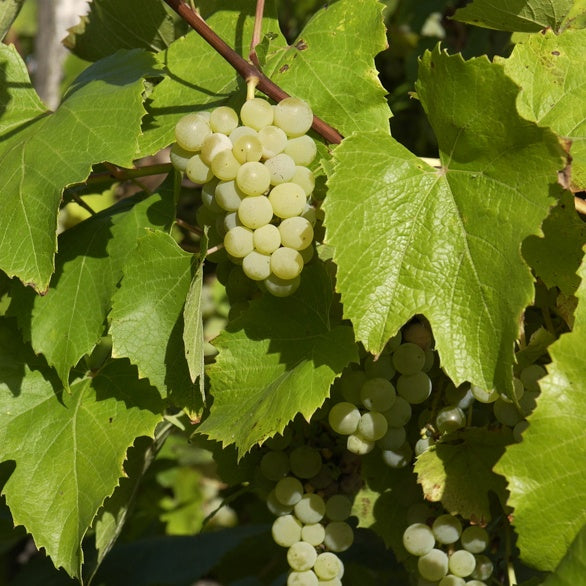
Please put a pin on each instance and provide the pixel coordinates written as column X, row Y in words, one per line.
column 42, row 152
column 111, row 25
column 331, row 65
column 551, row 72
column 547, row 470
column 147, row 316
column 277, row 360
column 445, row 242
column 515, row 15
column 67, row 322
column 68, row 447
column 572, row 568
column 9, row 10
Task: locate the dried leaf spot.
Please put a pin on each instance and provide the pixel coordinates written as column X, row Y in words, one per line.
column 556, row 53
column 283, row 68
column 301, row 45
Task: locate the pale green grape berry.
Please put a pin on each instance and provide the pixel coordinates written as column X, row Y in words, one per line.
column 197, row 171
column 310, row 509
column 296, row 232
column 286, row 530
column 408, row 358
column 462, row 563
column 255, row 211
column 256, row 113
column 225, row 166
column 238, row 242
column 423, row 444
column 281, row 287
column 307, row 578
column 418, row 539
column 310, row 214
column 474, row 539
column 332, row 582
column 305, row 461
column 289, row 490
column 267, row 239
column 350, row 384
column 256, row 266
column 305, row 179
column 230, row 221
column 274, row 465
column 286, row 263
column 281, row 167
column 294, row 116
column 518, row 390
column 241, row 131
column 208, row 197
column 531, row 375
column 399, row 414
column 179, row 157
column 276, row 507
column 205, row 217
column 339, row 536
column 452, row 580
column 447, row 529
column 475, row 583
column 338, row 507
column 247, row 148
column 359, row 445
column 393, row 439
column 328, row 566
column 398, row 458
column 307, row 254
column 450, row 419
column 372, row 426
column 483, row 569
column 228, row 196
column 506, row 413
column 191, row 131
column 433, row 566
column 301, row 149
column 223, row 119
column 301, row 556
column 377, row 394
column 415, row 388
column 253, row 178
column 273, row 141
column 484, row 396
column 419, row 513
column 344, row 417
column 380, row 367
column 288, row 200
column 214, row 144
column 519, row 429
column 313, row 533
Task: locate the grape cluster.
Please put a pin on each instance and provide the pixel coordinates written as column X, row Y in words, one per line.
column 255, row 184
column 446, row 553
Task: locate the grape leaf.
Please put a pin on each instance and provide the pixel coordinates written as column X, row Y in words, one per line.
column 99, row 119
column 515, row 15
column 458, row 472
column 576, row 18
column 111, row 25
column 276, row 360
column 147, row 316
column 67, row 322
column 334, row 55
column 410, row 239
column 546, row 472
column 572, row 568
column 68, row 448
column 9, row 10
column 551, row 72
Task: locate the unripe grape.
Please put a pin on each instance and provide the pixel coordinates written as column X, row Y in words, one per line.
column 289, row 490
column 179, row 157
column 256, row 113
column 247, row 149
column 286, row 263
column 305, row 461
column 338, row 507
column 198, row 171
column 462, row 563
column 408, row 358
column 398, row 458
column 372, row 426
column 225, row 166
column 228, row 195
column 281, row 167
column 223, row 119
column 273, row 141
column 238, row 242
column 310, row 509
column 267, row 239
column 301, row 149
column 307, row 578
column 359, row 445
column 447, row 529
column 418, row 539
column 288, row 200
column 450, row 419
column 399, row 414
column 253, row 178
column 313, row 533
column 255, row 211
column 474, row 539
column 191, row 131
column 281, row 287
column 377, row 394
column 433, row 566
column 296, row 233
column 344, row 417
column 286, row 530
column 256, row 266
column 328, row 566
column 301, row 556
column 214, row 144
column 305, row 179
column 294, row 116
column 339, row 536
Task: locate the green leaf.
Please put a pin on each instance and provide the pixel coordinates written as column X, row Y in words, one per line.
column 557, row 255
column 147, row 316
column 277, row 360
column 9, row 10
column 111, row 25
column 458, row 472
column 576, row 18
column 547, row 470
column 411, row 239
column 68, row 448
column 550, row 69
column 98, row 120
column 68, row 321
column 572, row 568
column 515, row 15
column 331, row 65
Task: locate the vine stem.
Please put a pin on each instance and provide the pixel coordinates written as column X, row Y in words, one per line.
column 245, row 69
column 260, row 8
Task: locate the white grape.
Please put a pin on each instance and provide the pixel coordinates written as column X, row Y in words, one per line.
column 328, row 566
column 462, row 563
column 286, row 530
column 408, row 358
column 253, row 178
column 433, row 566
column 415, row 388
column 372, row 426
column 399, row 414
column 305, row 461
column 313, row 533
column 281, row 167
column 223, row 119
column 483, row 569
column 506, row 413
column 307, row 578
column 288, row 200
column 344, row 417
column 518, row 391
column 276, row 507
column 273, row 141
column 230, row 221
column 452, row 580
column 310, row 509
column 281, row 287
column 228, row 195
column 267, row 239
column 419, row 513
column 339, row 536
column 198, row 171
column 305, row 179
column 179, row 157
column 418, row 539
column 332, row 582
column 379, row 367
column 240, row 131
column 238, row 242
column 519, row 429
column 225, row 166
column 474, row 539
column 422, row 445
column 447, row 529
column 377, row 394
column 256, row 266
column 191, row 131
column 286, row 263
column 309, row 213
column 398, row 458
column 338, row 507
column 247, row 148
column 296, row 233
column 450, row 419
column 213, row 145
column 256, row 113
column 208, row 197
column 475, row 583
column 530, row 376
column 301, row 149
column 255, row 211
column 294, row 116
column 359, row 445
column 289, row 490
column 274, row 465
column 350, row 384
column 301, row 556
column 393, row 439
column 484, row 396
column 307, row 254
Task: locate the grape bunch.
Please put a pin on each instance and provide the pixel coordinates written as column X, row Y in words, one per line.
column 256, row 184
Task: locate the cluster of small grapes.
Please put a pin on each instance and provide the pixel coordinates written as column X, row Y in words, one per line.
column 255, row 184
column 440, row 561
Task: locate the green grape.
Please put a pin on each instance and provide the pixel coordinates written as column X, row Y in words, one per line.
column 418, row 539
column 506, row 413
column 255, row 211
column 286, row 263
column 274, row 465
column 230, row 221
column 372, row 426
column 332, row 582
column 296, row 233
column 301, row 556
column 399, row 414
column 288, row 200
column 423, row 444
column 253, row 178
column 305, row 179
column 328, row 566
column 339, row 536
column 294, row 116
column 433, row 566
column 179, row 157
column 474, row 539
column 197, row 171
column 307, row 254
column 305, row 461
column 310, row 509
column 419, row 513
column 238, row 242
column 483, row 569
column 313, row 533
column 350, row 384
column 359, row 445
column 519, row 429
column 429, row 360
column 447, row 529
column 377, row 394
column 415, row 388
column 225, row 166
column 530, row 376
column 286, row 530
column 289, row 490
column 344, row 417
column 307, row 578
column 281, row 167
column 191, row 131
column 281, row 287
column 301, row 149
column 451, row 580
column 484, row 396
column 247, row 148
column 208, row 197
column 213, row 145
column 338, row 507
column 475, row 583
column 240, row 131
column 256, row 113
column 393, row 439
column 267, row 239
column 398, row 458
column 276, row 507
column 518, row 391
column 408, row 358
column 450, row 419
column 273, row 141
column 381, row 367
column 280, row 441
column 256, row 266
column 309, row 213
column 223, row 119
column 228, row 196
column 462, row 563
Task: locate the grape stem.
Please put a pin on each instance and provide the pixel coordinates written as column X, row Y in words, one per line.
column 260, row 7
column 244, row 68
